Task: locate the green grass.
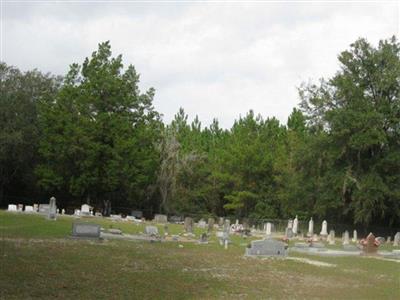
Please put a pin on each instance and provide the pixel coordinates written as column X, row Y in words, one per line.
column 39, row 260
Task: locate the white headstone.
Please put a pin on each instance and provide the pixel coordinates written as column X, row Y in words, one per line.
column 396, row 240
column 202, row 224
column 324, row 230
column 35, row 207
column 77, row 212
column 63, row 211
column 290, row 224
column 20, row 207
column 346, row 239
column 12, row 207
column 28, row 208
column 85, row 209
column 310, row 228
column 354, row 240
column 268, row 229
column 331, row 237
column 52, row 209
column 295, row 225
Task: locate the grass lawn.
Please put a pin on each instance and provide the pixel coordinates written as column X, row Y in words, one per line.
column 39, row 260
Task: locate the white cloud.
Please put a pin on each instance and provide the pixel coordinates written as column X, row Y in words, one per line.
column 214, row 60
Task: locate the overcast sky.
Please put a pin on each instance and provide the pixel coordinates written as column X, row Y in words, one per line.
column 213, row 59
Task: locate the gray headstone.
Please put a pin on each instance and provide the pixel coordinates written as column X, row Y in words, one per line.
column 267, row 247
column 175, row 219
column 52, row 209
column 396, row 240
column 210, row 224
column 160, row 218
column 188, row 225
column 289, row 233
column 44, row 208
column 151, row 230
column 202, row 224
column 88, row 230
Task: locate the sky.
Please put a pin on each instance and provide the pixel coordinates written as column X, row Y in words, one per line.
column 216, row 59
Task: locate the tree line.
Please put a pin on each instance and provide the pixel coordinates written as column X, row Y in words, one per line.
column 92, row 136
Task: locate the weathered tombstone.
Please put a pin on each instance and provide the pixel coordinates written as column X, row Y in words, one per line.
column 221, row 221
column 268, row 230
column 35, row 207
column 346, row 239
column 188, row 225
column 77, row 212
column 29, row 208
column 44, row 208
column 324, row 230
column 396, row 240
column 295, row 225
column 310, row 232
column 20, row 207
column 202, row 224
column 354, row 240
column 12, row 207
column 290, row 224
column 267, row 247
column 159, row 218
column 210, row 224
column 370, row 247
column 85, row 230
column 203, row 239
column 63, row 211
column 175, row 219
column 137, row 214
column 52, row 209
column 85, row 210
column 227, row 226
column 331, row 237
column 289, row 233
column 151, row 230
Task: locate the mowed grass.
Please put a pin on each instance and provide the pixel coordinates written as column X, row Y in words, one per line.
column 40, row 260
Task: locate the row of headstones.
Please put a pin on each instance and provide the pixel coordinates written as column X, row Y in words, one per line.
column 49, row 209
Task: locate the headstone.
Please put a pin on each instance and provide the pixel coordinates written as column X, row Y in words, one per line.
column 221, row 221
column 63, row 211
column 85, row 210
column 44, row 208
column 310, row 228
column 20, row 207
column 289, row 233
column 35, row 207
column 237, row 222
column 98, row 214
column 160, row 218
column 380, row 239
column 203, row 239
column 388, row 240
column 354, row 240
column 290, row 224
column 137, row 214
column 268, row 230
column 267, row 247
column 188, row 226
column 210, row 224
column 331, row 237
column 12, row 207
column 29, row 208
column 202, row 224
column 77, row 212
column 227, row 226
column 52, row 209
column 370, row 247
column 295, row 225
column 151, row 230
column 83, row 230
column 396, row 240
column 175, row 219
column 324, row 230
column 115, row 231
column 346, row 239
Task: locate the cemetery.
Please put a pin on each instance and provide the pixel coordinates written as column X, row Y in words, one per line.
column 161, row 258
